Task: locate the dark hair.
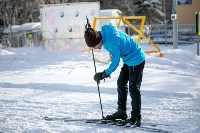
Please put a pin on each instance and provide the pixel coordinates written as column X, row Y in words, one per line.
column 92, row 37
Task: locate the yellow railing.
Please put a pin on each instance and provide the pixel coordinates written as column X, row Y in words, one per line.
column 126, row 19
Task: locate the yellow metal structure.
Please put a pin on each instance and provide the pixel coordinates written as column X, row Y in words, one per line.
column 198, row 23
column 126, row 19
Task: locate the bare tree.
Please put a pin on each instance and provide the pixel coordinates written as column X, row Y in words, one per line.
column 8, row 10
column 23, row 11
column 29, row 11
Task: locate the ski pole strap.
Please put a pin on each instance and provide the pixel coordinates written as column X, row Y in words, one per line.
column 88, row 25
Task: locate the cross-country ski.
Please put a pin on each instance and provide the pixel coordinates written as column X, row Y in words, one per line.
column 151, row 127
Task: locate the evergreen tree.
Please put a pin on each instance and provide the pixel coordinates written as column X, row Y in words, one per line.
column 152, row 9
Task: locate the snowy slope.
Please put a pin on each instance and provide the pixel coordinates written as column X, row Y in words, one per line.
column 36, row 83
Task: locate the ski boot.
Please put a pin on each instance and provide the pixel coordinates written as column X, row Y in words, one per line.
column 120, row 114
column 133, row 122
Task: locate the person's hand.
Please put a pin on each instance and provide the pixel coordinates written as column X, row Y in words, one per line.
column 100, row 76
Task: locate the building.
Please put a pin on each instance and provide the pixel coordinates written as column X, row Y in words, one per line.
column 186, row 10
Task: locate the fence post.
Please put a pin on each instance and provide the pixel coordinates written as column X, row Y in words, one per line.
column 197, row 29
column 0, row 48
column 175, row 24
column 197, row 45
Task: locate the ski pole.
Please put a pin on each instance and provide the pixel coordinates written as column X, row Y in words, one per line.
column 88, row 25
column 98, row 85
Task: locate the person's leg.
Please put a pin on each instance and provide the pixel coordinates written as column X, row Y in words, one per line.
column 135, row 79
column 122, row 95
column 122, row 87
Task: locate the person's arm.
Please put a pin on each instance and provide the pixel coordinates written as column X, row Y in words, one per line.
column 115, row 59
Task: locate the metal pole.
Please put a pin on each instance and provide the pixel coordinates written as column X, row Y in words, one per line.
column 165, row 22
column 197, row 44
column 175, row 25
column 98, row 85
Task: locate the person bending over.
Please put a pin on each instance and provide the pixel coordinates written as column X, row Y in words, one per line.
column 121, row 45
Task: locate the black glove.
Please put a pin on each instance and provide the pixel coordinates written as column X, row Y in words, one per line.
column 99, row 76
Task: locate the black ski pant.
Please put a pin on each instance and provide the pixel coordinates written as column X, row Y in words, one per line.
column 133, row 75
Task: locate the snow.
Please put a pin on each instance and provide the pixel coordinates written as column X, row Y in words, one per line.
column 24, row 27
column 36, row 83
column 30, row 26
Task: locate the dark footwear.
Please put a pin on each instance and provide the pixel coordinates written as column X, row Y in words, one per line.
column 120, row 114
column 134, row 122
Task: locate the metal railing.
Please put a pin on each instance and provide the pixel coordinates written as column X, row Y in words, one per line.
column 21, row 39
column 156, row 33
column 186, row 34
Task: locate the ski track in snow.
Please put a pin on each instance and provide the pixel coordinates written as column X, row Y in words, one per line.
column 36, row 83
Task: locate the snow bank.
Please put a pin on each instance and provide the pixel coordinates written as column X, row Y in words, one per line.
column 5, row 52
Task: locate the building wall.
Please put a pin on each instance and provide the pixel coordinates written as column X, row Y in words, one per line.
column 186, row 13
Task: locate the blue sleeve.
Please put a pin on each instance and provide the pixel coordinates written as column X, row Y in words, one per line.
column 115, row 59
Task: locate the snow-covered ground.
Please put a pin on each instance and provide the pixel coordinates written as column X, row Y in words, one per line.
column 36, row 83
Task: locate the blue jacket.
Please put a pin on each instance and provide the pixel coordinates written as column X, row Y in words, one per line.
column 120, row 45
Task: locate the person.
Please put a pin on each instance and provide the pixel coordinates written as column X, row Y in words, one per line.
column 121, row 45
